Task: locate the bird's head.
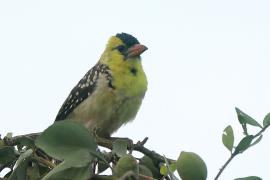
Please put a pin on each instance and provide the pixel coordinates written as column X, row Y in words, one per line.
column 122, row 49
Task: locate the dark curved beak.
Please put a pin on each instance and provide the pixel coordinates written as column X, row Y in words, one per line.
column 136, row 50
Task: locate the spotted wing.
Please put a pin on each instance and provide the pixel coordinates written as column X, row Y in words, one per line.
column 82, row 90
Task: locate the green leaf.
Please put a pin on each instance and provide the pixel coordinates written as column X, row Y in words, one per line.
column 228, row 138
column 173, row 167
column 73, row 143
column 191, row 166
column 170, row 171
column 249, row 178
column 23, row 157
column 21, row 166
column 243, row 144
column 66, row 171
column 2, row 143
column 9, row 135
column 43, row 170
column 120, row 147
column 147, row 161
column 257, row 140
column 103, row 160
column 33, row 172
column 25, row 141
column 145, row 171
column 126, row 163
column 266, row 120
column 246, row 119
column 64, row 138
column 102, row 166
column 163, row 170
column 7, row 154
column 77, row 166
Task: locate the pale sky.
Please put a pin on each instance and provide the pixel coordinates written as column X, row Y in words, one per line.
column 204, row 58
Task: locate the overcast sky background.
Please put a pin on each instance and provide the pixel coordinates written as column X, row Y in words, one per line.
column 204, row 58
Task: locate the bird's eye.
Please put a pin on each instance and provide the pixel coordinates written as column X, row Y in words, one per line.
column 121, row 48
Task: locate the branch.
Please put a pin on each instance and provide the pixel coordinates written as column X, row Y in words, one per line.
column 13, row 141
column 234, row 154
column 107, row 143
column 224, row 166
column 139, row 146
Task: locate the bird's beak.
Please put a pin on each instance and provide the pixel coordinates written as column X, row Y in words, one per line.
column 136, row 50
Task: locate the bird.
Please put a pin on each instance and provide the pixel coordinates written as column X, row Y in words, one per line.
column 110, row 94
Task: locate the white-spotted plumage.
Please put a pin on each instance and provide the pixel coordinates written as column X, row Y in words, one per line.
column 81, row 92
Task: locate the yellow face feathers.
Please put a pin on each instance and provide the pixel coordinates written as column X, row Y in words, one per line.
column 111, row 54
column 122, row 47
column 122, row 56
column 114, row 42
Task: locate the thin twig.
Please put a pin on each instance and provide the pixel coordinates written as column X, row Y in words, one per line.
column 224, row 166
column 234, row 154
column 45, row 162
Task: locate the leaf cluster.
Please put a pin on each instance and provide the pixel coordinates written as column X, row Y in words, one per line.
column 67, row 150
